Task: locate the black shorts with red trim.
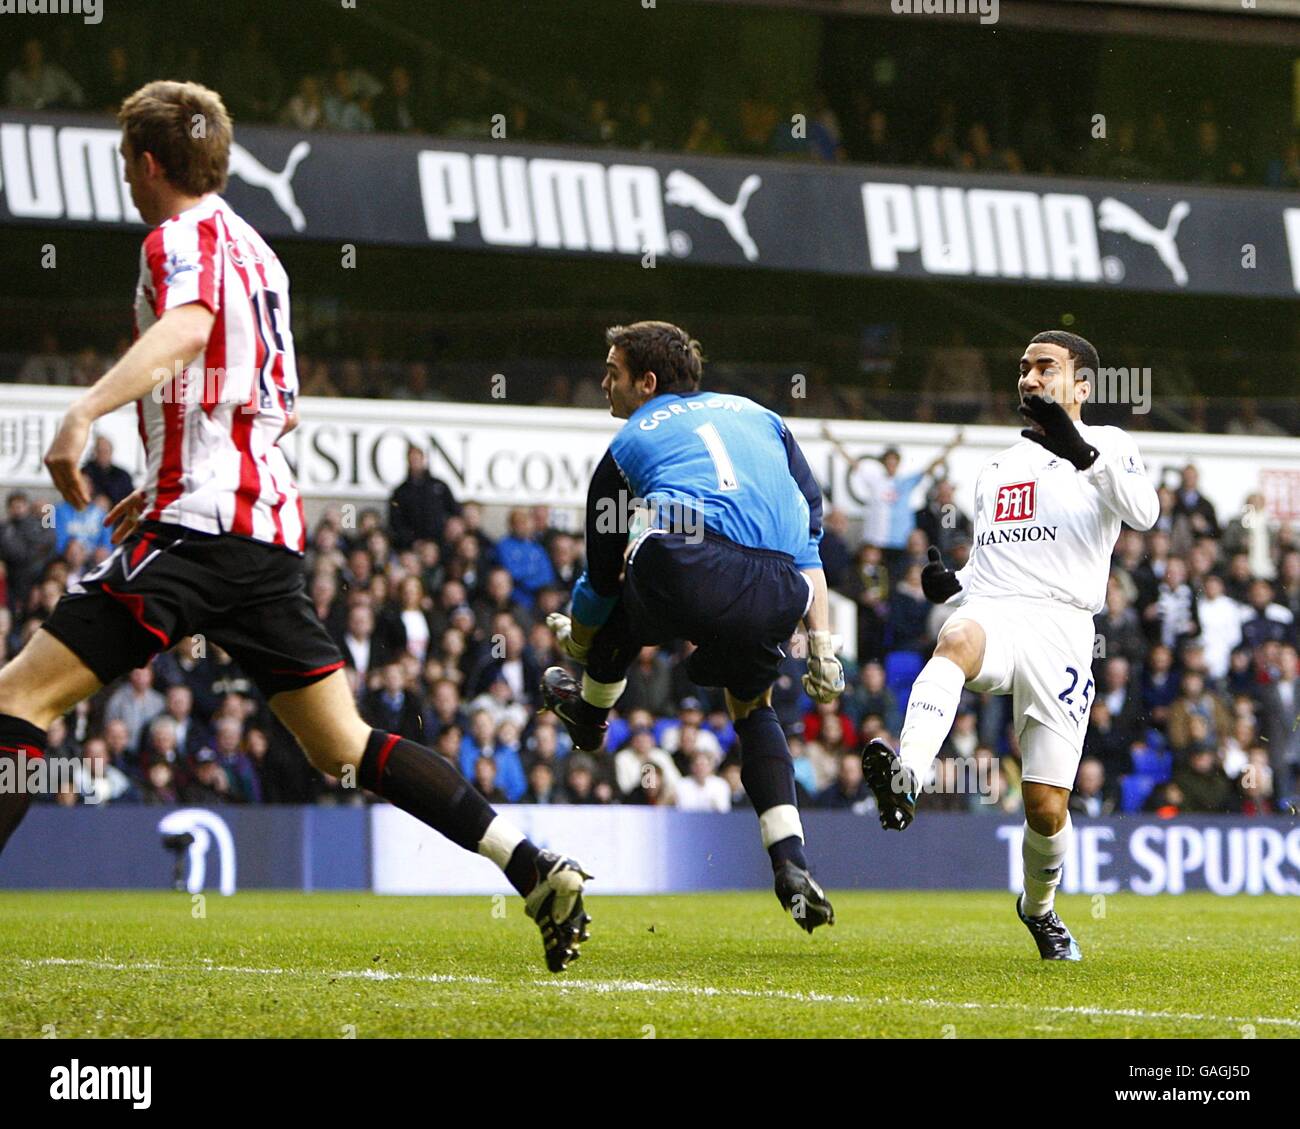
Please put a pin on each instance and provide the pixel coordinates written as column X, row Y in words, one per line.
column 166, row 582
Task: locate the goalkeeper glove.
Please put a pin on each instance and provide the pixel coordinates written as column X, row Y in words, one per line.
column 938, row 582
column 824, row 681
column 563, row 629
column 1059, row 435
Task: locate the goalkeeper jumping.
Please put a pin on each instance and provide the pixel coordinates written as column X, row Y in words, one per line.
column 727, row 558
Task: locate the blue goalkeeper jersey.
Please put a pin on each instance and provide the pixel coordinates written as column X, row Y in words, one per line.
column 706, row 458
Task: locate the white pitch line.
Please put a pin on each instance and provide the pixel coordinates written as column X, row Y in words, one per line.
column 663, row 987
column 244, row 970
column 667, row 987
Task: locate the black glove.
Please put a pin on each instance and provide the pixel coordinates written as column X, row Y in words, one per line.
column 938, row 582
column 1059, row 435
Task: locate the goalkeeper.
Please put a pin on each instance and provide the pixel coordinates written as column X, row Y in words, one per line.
column 723, row 551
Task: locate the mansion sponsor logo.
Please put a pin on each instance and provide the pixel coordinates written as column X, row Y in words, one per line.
column 369, row 460
column 1016, row 501
column 1015, row 233
column 78, row 1082
column 572, row 205
column 1016, row 536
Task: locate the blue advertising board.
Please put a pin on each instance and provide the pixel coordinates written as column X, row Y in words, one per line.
column 630, row 850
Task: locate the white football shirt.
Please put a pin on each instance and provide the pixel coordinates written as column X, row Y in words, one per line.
column 1045, row 530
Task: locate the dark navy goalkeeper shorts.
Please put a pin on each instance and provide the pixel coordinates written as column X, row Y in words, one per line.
column 740, row 606
column 166, row 582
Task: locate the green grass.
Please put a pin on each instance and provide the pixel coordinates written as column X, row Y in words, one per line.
column 916, row 964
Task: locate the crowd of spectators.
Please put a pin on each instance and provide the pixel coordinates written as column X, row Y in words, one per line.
column 394, row 94
column 442, row 624
column 442, row 629
column 946, row 383
column 1196, row 682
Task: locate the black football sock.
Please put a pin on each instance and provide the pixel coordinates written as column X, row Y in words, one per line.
column 19, row 740
column 424, row 785
column 605, row 677
column 521, row 870
column 601, row 689
column 584, row 713
column 789, row 849
column 767, row 772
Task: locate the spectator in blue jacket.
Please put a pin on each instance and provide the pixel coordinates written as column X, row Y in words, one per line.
column 1159, row 686
column 481, row 742
column 909, row 612
column 86, row 526
column 522, row 555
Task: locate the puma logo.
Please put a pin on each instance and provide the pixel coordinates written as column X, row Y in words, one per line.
column 1114, row 215
column 684, row 191
column 279, row 184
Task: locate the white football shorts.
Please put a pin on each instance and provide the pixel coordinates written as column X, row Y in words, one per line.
column 1039, row 652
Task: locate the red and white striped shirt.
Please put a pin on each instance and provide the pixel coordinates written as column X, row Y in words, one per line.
column 210, row 432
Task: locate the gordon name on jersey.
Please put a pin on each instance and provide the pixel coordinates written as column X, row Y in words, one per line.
column 1046, row 530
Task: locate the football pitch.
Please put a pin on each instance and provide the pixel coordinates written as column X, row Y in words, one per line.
column 925, row 965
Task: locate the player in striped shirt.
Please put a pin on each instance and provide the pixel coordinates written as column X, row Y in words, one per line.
column 211, row 434
column 213, row 543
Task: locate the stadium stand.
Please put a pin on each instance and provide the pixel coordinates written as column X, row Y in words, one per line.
column 1198, row 655
column 443, row 639
column 859, row 105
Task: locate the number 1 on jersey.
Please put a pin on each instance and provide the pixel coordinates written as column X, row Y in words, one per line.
column 718, row 453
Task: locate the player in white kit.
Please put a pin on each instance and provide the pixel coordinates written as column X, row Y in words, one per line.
column 1048, row 512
